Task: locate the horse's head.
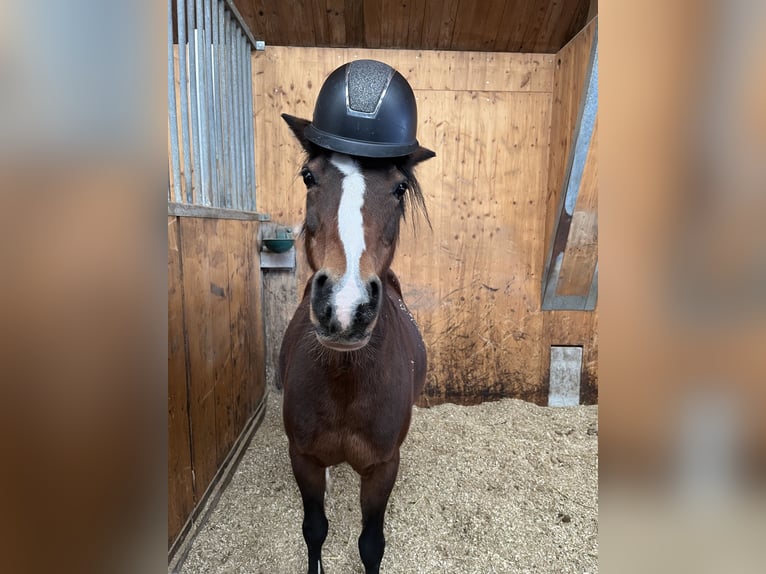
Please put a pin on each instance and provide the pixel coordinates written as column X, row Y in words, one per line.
column 354, row 206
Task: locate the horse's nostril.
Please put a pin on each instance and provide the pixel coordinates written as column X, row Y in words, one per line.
column 320, row 280
column 374, row 289
column 327, row 312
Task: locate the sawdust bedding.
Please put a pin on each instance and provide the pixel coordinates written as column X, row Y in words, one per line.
column 501, row 487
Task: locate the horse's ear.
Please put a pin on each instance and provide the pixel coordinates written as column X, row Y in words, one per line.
column 419, row 155
column 297, row 125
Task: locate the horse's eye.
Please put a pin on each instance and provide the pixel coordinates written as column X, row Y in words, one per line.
column 401, row 189
column 308, row 177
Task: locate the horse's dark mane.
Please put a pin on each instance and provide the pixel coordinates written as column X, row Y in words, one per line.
column 415, row 194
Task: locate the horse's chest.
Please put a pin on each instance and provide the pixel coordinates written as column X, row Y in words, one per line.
column 356, row 436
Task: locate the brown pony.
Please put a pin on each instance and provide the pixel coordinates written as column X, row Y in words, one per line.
column 352, row 361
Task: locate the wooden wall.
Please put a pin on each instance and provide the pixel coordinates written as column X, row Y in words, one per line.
column 579, row 328
column 474, row 280
column 216, row 374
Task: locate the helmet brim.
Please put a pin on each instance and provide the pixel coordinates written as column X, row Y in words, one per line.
column 357, row 147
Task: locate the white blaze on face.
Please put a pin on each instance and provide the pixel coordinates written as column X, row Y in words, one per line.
column 350, row 291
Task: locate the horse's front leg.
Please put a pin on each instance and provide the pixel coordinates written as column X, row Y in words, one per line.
column 310, row 477
column 377, row 483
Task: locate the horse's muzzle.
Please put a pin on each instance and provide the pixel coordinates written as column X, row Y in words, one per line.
column 344, row 314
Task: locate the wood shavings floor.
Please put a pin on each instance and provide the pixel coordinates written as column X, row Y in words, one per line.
column 502, row 487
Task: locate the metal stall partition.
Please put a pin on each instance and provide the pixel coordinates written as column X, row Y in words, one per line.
column 210, row 106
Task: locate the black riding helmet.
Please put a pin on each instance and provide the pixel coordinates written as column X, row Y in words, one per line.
column 365, row 108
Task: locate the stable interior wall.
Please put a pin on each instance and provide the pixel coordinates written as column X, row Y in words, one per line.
column 567, row 327
column 473, row 280
column 216, row 375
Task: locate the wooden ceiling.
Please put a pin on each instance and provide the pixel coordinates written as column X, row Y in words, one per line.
column 483, row 25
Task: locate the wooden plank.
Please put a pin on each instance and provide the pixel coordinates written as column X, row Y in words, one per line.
column 513, row 24
column 336, row 22
column 438, row 24
column 245, row 321
column 465, row 31
column 543, row 26
column 255, row 320
column 354, row 17
column 319, row 22
column 427, row 70
column 581, row 252
column 206, row 315
column 262, row 18
column 183, row 210
column 296, row 22
column 180, row 489
column 243, row 324
column 477, row 29
column 222, row 351
column 396, row 25
column 416, row 23
column 373, row 15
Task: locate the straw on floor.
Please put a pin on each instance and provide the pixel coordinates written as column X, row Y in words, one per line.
column 502, row 487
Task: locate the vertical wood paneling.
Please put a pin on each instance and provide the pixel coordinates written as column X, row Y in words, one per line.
column 372, row 22
column 229, row 394
column 206, row 315
column 180, row 488
column 354, row 19
column 215, row 350
column 336, row 22
column 253, row 317
column 319, row 22
column 438, row 24
column 477, row 29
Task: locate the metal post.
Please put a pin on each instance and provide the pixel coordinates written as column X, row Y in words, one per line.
column 243, row 111
column 187, row 165
column 217, row 170
column 212, row 125
column 212, row 147
column 172, row 112
column 194, row 124
column 224, row 91
column 230, row 129
column 202, row 105
column 241, row 130
column 236, row 127
column 247, row 109
column 251, row 127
